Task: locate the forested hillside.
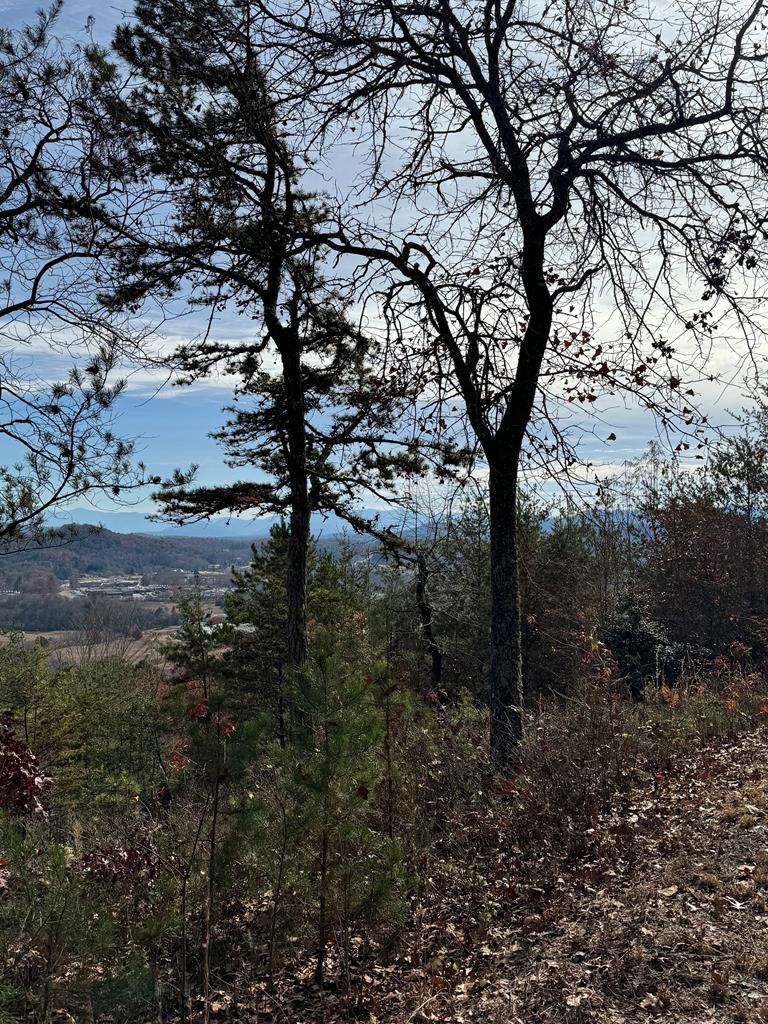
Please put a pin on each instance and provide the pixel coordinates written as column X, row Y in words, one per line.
column 89, row 550
column 465, row 303
column 217, row 831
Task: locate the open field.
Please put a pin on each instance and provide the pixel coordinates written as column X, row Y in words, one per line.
column 68, row 646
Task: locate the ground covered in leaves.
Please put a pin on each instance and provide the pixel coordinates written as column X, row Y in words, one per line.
column 658, row 911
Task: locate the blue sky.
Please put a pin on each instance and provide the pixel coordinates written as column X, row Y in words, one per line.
column 73, row 18
column 171, row 427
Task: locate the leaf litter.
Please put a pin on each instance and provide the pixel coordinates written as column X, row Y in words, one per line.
column 663, row 916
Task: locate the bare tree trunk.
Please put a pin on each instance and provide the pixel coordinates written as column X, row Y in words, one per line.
column 506, row 673
column 207, row 922
column 298, row 544
column 427, row 628
column 298, row 538
column 506, row 669
column 298, row 541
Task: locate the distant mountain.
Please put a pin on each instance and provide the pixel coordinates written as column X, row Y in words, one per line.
column 125, row 521
column 128, row 543
column 105, row 552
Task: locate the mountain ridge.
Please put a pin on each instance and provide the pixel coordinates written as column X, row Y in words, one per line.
column 222, row 527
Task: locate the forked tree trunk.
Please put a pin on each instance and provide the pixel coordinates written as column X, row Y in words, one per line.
column 506, row 669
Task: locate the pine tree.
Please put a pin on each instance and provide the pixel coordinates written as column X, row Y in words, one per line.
column 257, row 610
column 193, row 643
column 317, row 412
column 334, row 777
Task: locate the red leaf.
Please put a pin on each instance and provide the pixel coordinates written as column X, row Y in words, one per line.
column 197, row 710
column 179, row 759
column 22, row 783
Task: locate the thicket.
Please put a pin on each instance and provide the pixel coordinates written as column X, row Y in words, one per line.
column 202, row 841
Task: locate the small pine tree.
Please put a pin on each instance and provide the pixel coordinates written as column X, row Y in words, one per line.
column 356, row 864
column 257, row 610
column 191, row 649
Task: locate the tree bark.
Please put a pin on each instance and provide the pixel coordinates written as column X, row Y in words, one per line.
column 506, row 665
column 298, row 544
column 427, row 629
column 506, row 672
column 298, row 540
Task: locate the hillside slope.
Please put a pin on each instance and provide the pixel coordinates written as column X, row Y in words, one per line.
column 663, row 918
column 105, row 552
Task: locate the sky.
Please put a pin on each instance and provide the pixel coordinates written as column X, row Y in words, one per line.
column 170, row 426
column 15, row 13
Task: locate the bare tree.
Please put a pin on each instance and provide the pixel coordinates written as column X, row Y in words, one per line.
column 66, row 450
column 557, row 201
column 104, row 629
column 57, row 170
